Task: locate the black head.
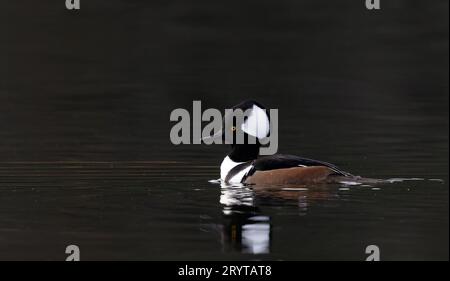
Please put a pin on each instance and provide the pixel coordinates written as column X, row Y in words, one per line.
column 244, row 134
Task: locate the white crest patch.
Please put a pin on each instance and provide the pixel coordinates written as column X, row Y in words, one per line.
column 257, row 123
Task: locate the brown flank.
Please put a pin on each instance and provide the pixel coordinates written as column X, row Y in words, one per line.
column 295, row 175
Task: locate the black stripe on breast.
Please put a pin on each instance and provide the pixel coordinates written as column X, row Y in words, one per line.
column 236, row 170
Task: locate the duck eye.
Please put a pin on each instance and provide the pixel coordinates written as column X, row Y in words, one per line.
column 233, row 128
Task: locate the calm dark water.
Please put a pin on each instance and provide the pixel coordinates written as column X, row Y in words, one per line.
column 85, row 154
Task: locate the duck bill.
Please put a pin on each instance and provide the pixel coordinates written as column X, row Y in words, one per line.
column 211, row 139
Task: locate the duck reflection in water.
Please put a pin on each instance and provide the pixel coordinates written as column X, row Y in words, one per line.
column 246, row 227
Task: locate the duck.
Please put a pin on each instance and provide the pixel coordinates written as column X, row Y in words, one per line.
column 244, row 164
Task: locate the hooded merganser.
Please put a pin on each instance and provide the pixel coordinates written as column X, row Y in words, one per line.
column 244, row 165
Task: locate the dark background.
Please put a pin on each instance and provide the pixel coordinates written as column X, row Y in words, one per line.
column 85, row 99
column 100, row 83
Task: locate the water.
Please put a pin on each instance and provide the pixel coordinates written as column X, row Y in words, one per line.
column 86, row 159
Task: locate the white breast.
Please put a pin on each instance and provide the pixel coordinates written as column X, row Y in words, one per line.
column 227, row 165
